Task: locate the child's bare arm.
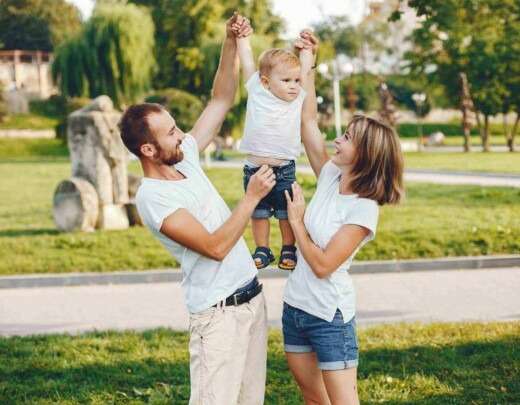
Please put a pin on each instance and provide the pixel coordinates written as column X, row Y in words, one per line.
column 245, row 53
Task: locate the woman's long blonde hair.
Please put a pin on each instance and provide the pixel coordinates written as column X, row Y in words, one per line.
column 377, row 170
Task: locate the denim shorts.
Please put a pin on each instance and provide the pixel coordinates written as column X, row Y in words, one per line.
column 274, row 203
column 335, row 343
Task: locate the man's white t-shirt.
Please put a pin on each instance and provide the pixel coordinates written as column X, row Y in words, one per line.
column 205, row 281
column 272, row 127
column 326, row 213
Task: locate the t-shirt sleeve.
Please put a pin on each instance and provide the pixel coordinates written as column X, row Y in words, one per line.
column 253, row 82
column 190, row 149
column 327, row 171
column 155, row 208
column 365, row 214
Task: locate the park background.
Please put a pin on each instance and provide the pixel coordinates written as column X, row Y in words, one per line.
column 167, row 51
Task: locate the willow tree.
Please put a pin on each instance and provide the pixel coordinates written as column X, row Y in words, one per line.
column 113, row 55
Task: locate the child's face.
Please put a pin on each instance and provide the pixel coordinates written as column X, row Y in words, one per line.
column 283, row 82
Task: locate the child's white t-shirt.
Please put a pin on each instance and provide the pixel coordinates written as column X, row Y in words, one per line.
column 326, row 213
column 272, row 127
column 205, row 281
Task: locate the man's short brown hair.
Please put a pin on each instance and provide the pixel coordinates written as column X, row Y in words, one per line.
column 273, row 57
column 134, row 127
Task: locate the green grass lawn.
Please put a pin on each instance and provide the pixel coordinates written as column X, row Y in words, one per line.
column 491, row 162
column 28, row 121
column 399, row 364
column 434, row 221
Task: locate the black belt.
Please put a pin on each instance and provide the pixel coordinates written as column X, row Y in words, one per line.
column 241, row 297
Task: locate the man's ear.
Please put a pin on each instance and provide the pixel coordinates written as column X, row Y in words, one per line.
column 265, row 81
column 148, row 150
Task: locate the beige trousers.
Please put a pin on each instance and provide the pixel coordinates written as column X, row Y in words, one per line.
column 228, row 354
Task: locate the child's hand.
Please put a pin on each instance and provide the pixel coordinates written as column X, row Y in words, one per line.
column 296, row 205
column 241, row 27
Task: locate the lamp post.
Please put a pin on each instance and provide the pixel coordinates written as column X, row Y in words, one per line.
column 336, row 70
column 419, row 99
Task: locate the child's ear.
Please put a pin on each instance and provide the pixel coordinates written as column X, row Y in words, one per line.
column 265, row 81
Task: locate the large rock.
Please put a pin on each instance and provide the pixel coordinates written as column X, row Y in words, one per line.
column 97, row 152
column 75, row 205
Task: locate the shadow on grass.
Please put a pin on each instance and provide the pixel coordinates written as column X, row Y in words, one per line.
column 154, row 367
column 10, row 233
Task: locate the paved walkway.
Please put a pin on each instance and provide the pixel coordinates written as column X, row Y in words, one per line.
column 456, row 295
column 419, row 175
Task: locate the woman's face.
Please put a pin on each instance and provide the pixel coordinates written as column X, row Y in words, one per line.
column 345, row 150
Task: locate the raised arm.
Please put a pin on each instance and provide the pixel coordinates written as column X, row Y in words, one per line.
column 312, row 138
column 185, row 229
column 223, row 93
column 245, row 54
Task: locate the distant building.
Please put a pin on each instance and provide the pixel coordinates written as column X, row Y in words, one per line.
column 25, row 75
column 394, row 38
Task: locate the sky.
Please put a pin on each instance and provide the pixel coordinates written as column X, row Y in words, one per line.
column 298, row 14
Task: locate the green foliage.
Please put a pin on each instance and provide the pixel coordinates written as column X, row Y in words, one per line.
column 410, row 129
column 112, row 56
column 37, row 24
column 184, row 107
column 479, row 38
column 454, row 363
column 189, row 35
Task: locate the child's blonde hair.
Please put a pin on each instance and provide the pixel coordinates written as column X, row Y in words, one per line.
column 276, row 56
column 377, row 170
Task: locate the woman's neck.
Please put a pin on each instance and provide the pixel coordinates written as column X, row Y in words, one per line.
column 344, row 181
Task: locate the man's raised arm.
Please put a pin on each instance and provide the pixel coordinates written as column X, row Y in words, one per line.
column 224, row 88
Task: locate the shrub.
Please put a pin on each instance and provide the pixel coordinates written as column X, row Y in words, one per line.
column 183, row 106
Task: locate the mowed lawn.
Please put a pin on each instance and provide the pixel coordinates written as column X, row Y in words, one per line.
column 434, row 221
column 399, row 364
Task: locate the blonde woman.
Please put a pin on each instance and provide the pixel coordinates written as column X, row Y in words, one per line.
column 319, row 325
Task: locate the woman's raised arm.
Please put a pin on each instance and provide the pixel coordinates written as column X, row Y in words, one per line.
column 312, row 137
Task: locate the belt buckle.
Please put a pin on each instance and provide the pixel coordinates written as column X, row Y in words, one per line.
column 235, row 301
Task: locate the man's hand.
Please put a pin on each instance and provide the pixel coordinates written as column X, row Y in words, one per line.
column 261, row 183
column 238, row 26
column 296, row 205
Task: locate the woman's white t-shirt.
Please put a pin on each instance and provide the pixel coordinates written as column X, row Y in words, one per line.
column 326, row 213
column 272, row 127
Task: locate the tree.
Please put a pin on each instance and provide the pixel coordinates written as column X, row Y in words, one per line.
column 473, row 37
column 113, row 55
column 189, row 34
column 37, row 24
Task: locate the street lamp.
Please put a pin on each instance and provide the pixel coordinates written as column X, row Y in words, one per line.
column 336, row 70
column 419, row 99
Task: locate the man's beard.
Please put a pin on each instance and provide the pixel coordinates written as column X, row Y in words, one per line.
column 168, row 158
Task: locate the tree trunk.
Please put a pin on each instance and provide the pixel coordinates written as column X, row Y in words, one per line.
column 511, row 140
column 479, row 126
column 466, row 106
column 485, row 135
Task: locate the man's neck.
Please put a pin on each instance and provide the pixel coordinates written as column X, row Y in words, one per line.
column 161, row 172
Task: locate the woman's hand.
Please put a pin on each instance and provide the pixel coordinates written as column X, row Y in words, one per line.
column 296, row 205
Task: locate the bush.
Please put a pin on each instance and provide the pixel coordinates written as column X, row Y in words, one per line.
column 410, row 130
column 183, row 106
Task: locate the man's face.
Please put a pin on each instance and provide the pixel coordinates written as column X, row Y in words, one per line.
column 168, row 138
